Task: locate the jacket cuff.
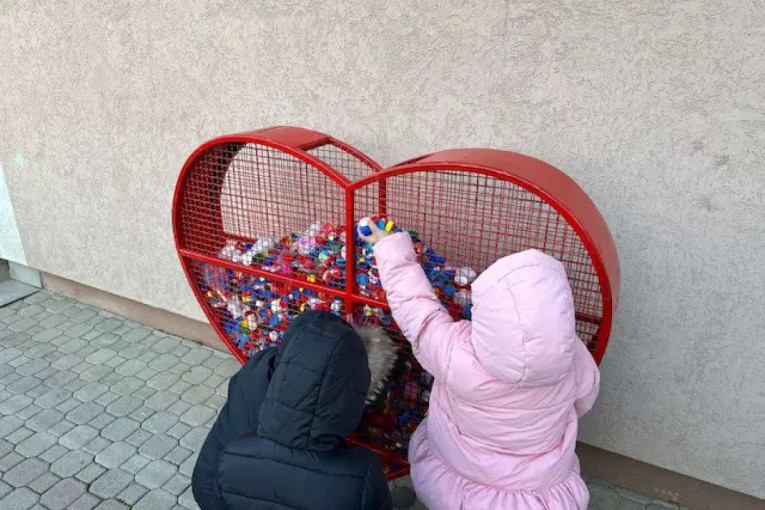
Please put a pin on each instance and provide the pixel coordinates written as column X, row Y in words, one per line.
column 396, row 246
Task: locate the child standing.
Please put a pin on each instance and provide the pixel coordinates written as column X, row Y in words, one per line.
column 509, row 386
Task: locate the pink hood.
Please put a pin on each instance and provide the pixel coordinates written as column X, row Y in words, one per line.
column 508, row 389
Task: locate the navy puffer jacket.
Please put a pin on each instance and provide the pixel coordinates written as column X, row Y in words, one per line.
column 278, row 442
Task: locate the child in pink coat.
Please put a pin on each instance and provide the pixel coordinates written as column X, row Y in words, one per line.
column 509, row 386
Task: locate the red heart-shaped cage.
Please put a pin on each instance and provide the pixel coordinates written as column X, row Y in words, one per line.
column 471, row 206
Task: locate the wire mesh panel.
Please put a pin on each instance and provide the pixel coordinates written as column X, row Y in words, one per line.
column 265, row 225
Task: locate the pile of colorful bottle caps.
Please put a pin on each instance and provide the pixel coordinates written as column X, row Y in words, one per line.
column 255, row 311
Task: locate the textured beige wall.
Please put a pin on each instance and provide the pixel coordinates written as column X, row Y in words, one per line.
column 655, row 107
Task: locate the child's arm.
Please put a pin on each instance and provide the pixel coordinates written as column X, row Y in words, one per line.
column 419, row 314
column 587, row 379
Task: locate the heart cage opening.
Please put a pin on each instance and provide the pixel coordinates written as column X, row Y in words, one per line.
column 262, row 223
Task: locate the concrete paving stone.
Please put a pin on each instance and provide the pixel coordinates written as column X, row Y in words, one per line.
column 116, row 454
column 97, row 445
column 61, row 340
column 123, row 406
column 112, row 379
column 107, row 398
column 162, row 400
column 103, row 340
column 146, row 374
column 73, row 345
column 196, row 356
column 111, row 504
column 85, row 413
column 194, row 439
column 179, row 407
column 147, row 356
column 54, row 453
column 128, row 385
column 131, row 367
column 90, row 473
column 111, row 483
column 90, row 391
column 180, row 368
column 8, row 378
column 85, row 502
column 44, row 482
column 78, row 383
column 102, row 420
column 115, row 361
column 110, row 324
column 61, row 428
column 179, row 388
column 198, row 415
column 17, row 362
column 52, row 398
column 132, row 350
column 30, row 310
column 137, row 334
column 37, row 391
column 4, row 489
column 9, row 461
column 197, row 394
column 14, row 404
column 61, row 378
column 37, row 297
column 144, row 393
column 187, row 467
column 177, row 484
column 36, row 444
column 71, row 463
column 9, row 424
column 53, row 356
column 222, row 388
column 187, row 500
column 162, row 381
column 101, row 356
column 5, row 448
column 163, row 362
column 28, row 412
column 160, row 422
column 119, row 429
column 156, row 499
column 25, row 472
column 77, row 330
column 31, row 367
column 178, row 455
column 19, row 435
column 216, row 402
column 178, row 430
column 197, row 375
column 135, row 463
column 22, row 325
column 83, row 315
column 228, row 367
column 181, row 350
column 164, row 345
column 156, row 474
column 138, row 437
column 63, row 494
column 141, row 414
column 68, row 405
column 157, row 446
column 41, row 352
column 132, row 493
column 96, row 372
column 46, row 335
column 19, row 499
column 9, row 354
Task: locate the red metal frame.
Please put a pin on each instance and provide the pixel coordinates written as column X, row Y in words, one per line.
column 535, row 177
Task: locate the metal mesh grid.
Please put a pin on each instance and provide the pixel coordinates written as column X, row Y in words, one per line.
column 495, row 218
column 343, row 161
column 249, row 192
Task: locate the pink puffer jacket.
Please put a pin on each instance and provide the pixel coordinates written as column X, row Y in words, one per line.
column 509, row 386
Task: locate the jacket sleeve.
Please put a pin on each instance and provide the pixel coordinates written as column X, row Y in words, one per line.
column 587, row 379
column 376, row 494
column 246, row 391
column 419, row 314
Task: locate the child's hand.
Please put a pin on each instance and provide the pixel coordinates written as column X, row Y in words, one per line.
column 377, row 232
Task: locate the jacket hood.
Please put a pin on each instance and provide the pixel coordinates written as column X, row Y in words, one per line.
column 523, row 319
column 320, row 378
